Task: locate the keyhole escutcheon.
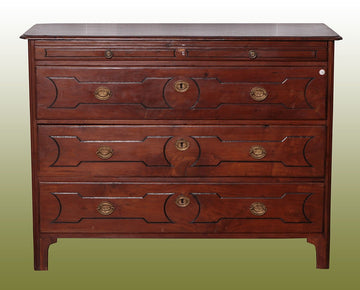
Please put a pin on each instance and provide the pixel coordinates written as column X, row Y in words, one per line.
column 182, row 201
column 181, row 86
column 182, row 144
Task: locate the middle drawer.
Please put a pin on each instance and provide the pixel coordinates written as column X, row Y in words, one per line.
column 165, row 93
column 165, row 151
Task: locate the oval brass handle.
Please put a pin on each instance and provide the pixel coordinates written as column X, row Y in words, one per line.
column 252, row 54
column 258, row 208
column 181, row 86
column 108, row 54
column 257, row 152
column 258, row 94
column 103, row 93
column 182, row 144
column 104, row 152
column 105, row 208
column 182, row 201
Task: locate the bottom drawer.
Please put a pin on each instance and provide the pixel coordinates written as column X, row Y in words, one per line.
column 117, row 207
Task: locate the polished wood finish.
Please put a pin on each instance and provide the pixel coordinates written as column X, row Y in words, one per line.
column 217, row 150
column 179, row 50
column 150, row 207
column 149, row 93
column 181, row 131
column 264, row 31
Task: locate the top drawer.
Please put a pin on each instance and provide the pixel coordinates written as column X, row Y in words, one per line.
column 184, row 50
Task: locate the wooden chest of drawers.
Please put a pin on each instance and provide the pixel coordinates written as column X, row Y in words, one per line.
column 181, row 131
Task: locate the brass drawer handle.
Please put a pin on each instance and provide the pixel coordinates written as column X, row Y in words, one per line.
column 181, row 86
column 108, row 54
column 258, row 208
column 252, row 54
column 104, row 152
column 182, row 201
column 257, row 152
column 103, row 93
column 105, row 208
column 258, row 94
column 182, row 144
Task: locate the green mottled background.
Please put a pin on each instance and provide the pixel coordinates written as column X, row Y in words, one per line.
column 176, row 264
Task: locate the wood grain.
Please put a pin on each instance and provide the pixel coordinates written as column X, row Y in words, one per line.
column 151, row 208
column 149, row 93
column 145, row 116
column 151, row 151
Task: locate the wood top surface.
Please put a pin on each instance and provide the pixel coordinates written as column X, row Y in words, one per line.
column 256, row 31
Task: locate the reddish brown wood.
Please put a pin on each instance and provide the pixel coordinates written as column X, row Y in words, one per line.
column 150, row 151
column 322, row 247
column 42, row 251
column 176, row 50
column 151, row 208
column 254, row 31
column 145, row 117
column 221, row 93
column 34, row 160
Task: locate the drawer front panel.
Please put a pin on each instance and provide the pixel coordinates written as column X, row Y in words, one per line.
column 181, row 50
column 158, row 207
column 161, row 93
column 288, row 151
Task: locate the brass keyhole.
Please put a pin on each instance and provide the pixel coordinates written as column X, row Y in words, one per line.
column 181, row 86
column 182, row 144
column 182, row 201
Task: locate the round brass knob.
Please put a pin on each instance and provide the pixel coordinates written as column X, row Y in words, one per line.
column 104, row 152
column 103, row 93
column 258, row 94
column 182, row 144
column 258, row 208
column 181, row 86
column 257, row 152
column 108, row 54
column 105, row 208
column 252, row 54
column 182, row 201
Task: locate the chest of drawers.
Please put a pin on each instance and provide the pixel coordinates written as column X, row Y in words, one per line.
column 181, row 131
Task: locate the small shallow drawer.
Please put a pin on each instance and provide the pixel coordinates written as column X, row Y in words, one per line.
column 164, row 151
column 160, row 93
column 181, row 207
column 181, row 50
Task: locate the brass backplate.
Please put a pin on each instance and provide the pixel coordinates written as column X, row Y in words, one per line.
column 257, row 152
column 103, row 93
column 252, row 54
column 258, row 208
column 182, row 201
column 105, row 208
column 258, row 94
column 108, row 54
column 182, row 144
column 104, row 152
column 181, row 86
